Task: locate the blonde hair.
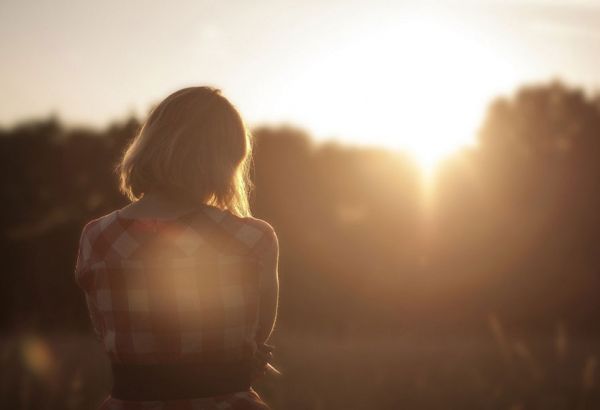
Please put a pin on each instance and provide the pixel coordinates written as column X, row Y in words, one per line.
column 193, row 146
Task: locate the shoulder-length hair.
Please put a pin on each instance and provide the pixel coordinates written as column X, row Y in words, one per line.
column 193, row 146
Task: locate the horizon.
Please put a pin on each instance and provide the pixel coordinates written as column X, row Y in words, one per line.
column 325, row 68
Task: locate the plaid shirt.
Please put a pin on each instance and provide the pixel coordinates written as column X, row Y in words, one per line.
column 178, row 290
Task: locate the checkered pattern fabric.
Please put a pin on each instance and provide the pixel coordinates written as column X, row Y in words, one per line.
column 237, row 401
column 173, row 291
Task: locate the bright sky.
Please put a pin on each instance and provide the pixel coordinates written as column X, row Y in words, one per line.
column 405, row 74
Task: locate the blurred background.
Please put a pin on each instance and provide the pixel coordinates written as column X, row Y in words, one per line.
column 431, row 169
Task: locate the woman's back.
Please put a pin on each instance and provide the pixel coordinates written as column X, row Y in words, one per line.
column 180, row 290
column 182, row 284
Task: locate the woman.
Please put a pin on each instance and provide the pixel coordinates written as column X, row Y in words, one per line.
column 181, row 284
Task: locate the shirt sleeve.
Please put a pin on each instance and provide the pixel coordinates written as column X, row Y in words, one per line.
column 266, row 251
column 83, row 255
column 268, row 260
column 81, row 264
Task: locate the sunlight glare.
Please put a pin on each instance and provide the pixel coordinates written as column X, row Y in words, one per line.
column 420, row 85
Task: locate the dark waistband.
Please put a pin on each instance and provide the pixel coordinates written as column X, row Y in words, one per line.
column 178, row 381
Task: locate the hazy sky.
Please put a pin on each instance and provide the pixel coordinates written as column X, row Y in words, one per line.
column 338, row 68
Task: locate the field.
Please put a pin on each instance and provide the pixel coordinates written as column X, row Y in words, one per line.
column 492, row 370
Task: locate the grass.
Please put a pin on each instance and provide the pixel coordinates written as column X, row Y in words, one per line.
column 493, row 370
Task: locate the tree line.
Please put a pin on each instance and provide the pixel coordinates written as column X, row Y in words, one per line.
column 511, row 228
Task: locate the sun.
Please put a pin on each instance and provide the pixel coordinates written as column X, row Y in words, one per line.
column 418, row 84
